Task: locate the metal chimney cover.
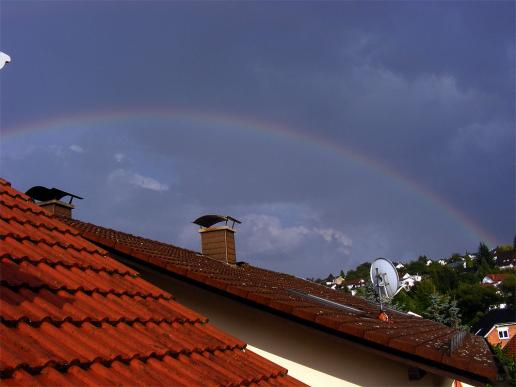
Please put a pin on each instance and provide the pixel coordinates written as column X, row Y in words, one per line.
column 44, row 194
column 210, row 220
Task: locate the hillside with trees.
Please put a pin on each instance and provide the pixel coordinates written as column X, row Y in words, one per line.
column 450, row 291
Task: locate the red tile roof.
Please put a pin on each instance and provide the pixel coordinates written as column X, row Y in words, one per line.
column 497, row 277
column 71, row 315
column 424, row 340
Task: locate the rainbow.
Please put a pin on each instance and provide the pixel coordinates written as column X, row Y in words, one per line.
column 253, row 125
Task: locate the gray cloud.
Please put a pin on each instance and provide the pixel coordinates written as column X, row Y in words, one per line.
column 424, row 91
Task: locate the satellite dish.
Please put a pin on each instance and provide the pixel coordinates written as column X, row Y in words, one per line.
column 4, row 58
column 385, row 279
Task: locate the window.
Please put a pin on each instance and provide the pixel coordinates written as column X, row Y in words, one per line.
column 503, row 333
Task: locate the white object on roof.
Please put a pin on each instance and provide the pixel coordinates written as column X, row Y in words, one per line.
column 384, row 277
column 4, row 58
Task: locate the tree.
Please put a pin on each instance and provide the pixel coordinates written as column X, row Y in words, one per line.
column 442, row 310
column 421, row 293
column 474, row 300
column 504, row 248
column 370, row 293
column 484, row 258
column 362, row 271
column 436, row 310
column 508, row 287
column 453, row 319
column 404, row 301
column 444, row 277
column 507, row 361
column 418, row 266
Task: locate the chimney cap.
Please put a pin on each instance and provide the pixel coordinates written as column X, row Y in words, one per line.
column 45, row 194
column 210, row 220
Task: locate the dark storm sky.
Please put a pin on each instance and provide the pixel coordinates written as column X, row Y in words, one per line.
column 337, row 131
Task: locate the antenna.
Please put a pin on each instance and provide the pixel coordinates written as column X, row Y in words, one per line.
column 385, row 279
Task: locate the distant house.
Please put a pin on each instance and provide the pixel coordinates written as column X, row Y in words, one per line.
column 442, row 262
column 494, row 279
column 429, row 262
column 498, row 326
column 505, row 259
column 354, row 284
column 458, row 264
column 323, row 337
column 409, row 280
column 399, row 265
column 338, row 281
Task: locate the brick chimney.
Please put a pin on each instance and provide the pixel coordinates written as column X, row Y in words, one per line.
column 218, row 242
column 50, row 200
column 58, row 208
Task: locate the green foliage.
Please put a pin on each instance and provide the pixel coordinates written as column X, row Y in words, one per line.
column 405, row 302
column 436, row 309
column 504, row 248
column 455, row 258
column 508, row 288
column 453, row 319
column 370, row 294
column 469, row 277
column 450, row 293
column 422, row 292
column 418, row 266
column 444, row 277
column 475, row 298
column 507, row 362
column 362, row 271
column 442, row 310
column 485, row 260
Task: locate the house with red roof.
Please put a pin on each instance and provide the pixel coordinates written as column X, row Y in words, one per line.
column 494, row 279
column 71, row 315
column 498, row 327
column 323, row 337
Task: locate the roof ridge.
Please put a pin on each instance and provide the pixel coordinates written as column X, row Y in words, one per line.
column 64, row 366
column 16, row 194
column 82, row 267
column 127, row 293
column 93, row 225
column 4, row 182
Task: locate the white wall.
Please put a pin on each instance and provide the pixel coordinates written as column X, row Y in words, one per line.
column 312, row 356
